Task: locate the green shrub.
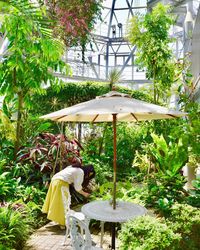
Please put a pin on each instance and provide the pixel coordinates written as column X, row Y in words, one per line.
column 147, row 233
column 14, row 184
column 185, row 220
column 76, row 92
column 164, row 190
column 166, row 183
column 194, row 194
column 14, row 229
column 34, row 215
column 7, row 183
column 168, row 157
column 3, row 247
column 126, row 191
column 104, row 172
column 129, row 139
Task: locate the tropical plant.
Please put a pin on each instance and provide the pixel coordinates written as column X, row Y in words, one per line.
column 168, row 158
column 165, row 183
column 14, row 230
column 114, row 76
column 187, row 89
column 32, row 10
column 8, row 184
column 3, row 247
column 73, row 93
column 34, row 214
column 33, row 126
column 7, row 128
column 29, row 65
column 30, row 194
column 146, row 233
column 8, row 136
column 6, row 150
column 151, row 36
column 50, row 153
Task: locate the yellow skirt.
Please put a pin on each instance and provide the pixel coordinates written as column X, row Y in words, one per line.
column 53, row 205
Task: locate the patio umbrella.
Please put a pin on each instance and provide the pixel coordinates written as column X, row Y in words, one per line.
column 113, row 107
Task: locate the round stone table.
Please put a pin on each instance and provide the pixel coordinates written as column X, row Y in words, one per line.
column 104, row 212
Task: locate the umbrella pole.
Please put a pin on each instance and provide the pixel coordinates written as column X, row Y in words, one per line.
column 114, row 175
column 114, row 159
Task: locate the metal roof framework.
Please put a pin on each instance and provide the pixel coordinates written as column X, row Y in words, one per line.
column 110, row 48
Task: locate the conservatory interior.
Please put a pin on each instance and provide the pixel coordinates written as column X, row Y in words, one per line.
column 100, row 124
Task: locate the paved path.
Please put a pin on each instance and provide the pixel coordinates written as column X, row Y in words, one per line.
column 48, row 237
column 51, row 237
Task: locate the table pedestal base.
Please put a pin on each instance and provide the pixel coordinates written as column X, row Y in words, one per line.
column 113, row 237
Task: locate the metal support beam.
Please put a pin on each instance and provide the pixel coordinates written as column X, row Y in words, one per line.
column 128, row 59
column 129, row 6
column 179, row 10
column 107, row 58
column 111, row 17
column 92, row 66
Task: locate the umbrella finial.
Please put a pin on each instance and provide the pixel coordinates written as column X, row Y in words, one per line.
column 113, row 88
column 114, row 93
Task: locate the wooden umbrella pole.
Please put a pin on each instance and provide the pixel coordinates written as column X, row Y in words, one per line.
column 114, row 160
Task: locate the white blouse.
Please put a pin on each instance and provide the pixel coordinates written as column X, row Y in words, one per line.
column 71, row 175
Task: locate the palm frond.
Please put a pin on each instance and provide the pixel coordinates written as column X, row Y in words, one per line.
column 114, row 76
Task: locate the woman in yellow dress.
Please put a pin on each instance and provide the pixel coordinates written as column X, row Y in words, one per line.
column 76, row 175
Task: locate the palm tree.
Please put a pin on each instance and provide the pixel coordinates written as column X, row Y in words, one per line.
column 114, row 77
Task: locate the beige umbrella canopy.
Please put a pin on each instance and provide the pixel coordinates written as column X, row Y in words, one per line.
column 102, row 108
column 112, row 107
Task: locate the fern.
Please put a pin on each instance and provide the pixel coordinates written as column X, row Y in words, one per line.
column 13, row 229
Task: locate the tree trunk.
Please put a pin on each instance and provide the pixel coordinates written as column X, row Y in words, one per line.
column 79, row 132
column 102, row 139
column 154, row 88
column 18, row 129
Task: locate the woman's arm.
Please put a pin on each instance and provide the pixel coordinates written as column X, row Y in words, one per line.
column 84, row 193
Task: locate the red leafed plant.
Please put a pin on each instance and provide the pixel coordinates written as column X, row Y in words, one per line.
column 75, row 18
column 51, row 153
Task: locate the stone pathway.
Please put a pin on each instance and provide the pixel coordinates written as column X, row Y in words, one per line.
column 51, row 237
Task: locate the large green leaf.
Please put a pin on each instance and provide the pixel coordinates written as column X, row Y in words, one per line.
column 33, row 11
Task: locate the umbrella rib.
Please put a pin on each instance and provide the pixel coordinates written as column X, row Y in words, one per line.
column 57, row 119
column 174, row 116
column 134, row 117
column 95, row 118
